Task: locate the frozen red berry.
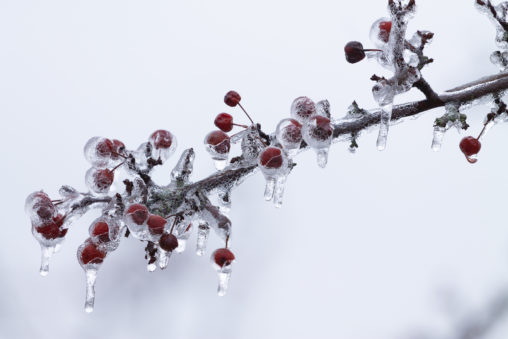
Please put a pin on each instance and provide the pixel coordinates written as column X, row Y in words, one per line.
column 168, row 242
column 103, row 179
column 354, row 52
column 44, row 209
column 161, row 139
column 385, row 27
column 138, row 213
column 470, row 146
column 91, row 254
column 156, row 224
column 302, row 109
column 224, row 122
column 118, row 149
column 271, row 157
column 232, row 98
column 223, row 257
column 219, row 140
column 104, row 148
column 53, row 228
column 101, row 231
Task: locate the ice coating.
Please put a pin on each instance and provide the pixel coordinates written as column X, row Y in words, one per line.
column 98, row 152
column 222, row 260
column 318, row 134
column 181, row 173
column 451, row 118
column 302, row 109
column 274, row 165
column 289, row 134
column 252, row 144
column 163, row 144
column 218, row 145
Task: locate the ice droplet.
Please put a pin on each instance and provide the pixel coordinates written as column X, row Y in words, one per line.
column 437, row 140
column 203, row 232
column 46, row 253
column 151, row 267
column 384, row 125
column 91, row 276
column 220, row 164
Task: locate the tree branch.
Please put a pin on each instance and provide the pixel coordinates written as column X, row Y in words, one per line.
column 489, row 85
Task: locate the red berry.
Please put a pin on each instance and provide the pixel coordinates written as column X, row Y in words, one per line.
column 385, row 27
column 232, row 98
column 220, row 140
column 103, row 179
column 470, row 146
column 271, row 157
column 323, row 128
column 138, row 213
column 52, row 229
column 118, row 148
column 156, row 224
column 104, row 148
column 303, row 108
column 92, row 255
column 168, row 242
column 224, row 122
column 293, row 132
column 223, row 257
column 354, row 52
column 161, row 139
column 44, row 209
column 101, row 230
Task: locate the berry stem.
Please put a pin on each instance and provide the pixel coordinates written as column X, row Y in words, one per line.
column 120, row 164
column 227, row 241
column 247, row 114
column 119, row 154
column 372, row 50
column 239, row 125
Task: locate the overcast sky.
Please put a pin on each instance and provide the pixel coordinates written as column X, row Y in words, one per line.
column 378, row 245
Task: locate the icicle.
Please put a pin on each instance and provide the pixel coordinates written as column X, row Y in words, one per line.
column 322, row 157
column 269, row 188
column 203, row 232
column 46, row 253
column 384, row 125
column 437, row 140
column 163, row 258
column 224, row 277
column 279, row 191
column 91, row 276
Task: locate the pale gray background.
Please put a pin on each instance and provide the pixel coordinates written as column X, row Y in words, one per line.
column 378, row 245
